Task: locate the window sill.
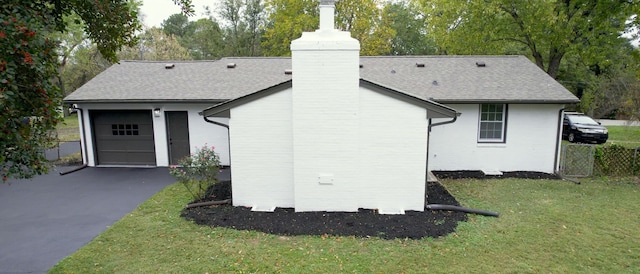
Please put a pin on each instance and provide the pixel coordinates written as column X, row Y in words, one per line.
column 492, row 145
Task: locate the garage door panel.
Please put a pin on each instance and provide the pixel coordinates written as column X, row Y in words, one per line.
column 124, row 137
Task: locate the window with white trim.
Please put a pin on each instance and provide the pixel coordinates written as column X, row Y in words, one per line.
column 492, row 123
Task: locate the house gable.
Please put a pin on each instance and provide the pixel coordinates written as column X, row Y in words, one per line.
column 435, row 110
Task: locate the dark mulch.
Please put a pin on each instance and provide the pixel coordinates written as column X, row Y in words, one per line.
column 476, row 174
column 364, row 223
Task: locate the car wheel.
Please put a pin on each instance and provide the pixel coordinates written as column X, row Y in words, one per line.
column 571, row 138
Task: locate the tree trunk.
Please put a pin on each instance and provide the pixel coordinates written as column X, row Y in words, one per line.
column 555, row 56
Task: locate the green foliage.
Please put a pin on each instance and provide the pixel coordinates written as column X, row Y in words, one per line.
column 287, row 19
column 243, row 22
column 197, row 172
column 363, row 18
column 176, row 25
column 616, row 160
column 28, row 98
column 206, row 40
column 410, row 30
column 547, row 31
column 85, row 63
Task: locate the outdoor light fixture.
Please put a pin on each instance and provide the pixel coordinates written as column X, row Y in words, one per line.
column 156, row 112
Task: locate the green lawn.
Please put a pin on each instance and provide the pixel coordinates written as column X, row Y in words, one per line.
column 545, row 226
column 68, row 129
column 628, row 136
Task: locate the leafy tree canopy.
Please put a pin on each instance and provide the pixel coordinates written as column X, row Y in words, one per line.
column 547, row 30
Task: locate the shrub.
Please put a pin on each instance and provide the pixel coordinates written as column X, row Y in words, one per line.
column 198, row 171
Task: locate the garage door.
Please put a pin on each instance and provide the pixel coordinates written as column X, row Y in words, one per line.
column 123, row 137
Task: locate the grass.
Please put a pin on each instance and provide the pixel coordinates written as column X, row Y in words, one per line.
column 545, row 226
column 68, row 129
column 627, row 136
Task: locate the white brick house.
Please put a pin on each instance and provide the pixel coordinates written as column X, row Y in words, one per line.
column 327, row 129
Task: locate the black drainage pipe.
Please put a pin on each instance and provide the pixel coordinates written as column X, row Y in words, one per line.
column 462, row 209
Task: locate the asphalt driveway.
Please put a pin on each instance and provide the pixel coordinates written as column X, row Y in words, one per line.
column 45, row 219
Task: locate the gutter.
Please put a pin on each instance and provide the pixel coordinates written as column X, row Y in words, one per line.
column 429, row 135
column 206, row 119
column 445, row 122
column 84, row 143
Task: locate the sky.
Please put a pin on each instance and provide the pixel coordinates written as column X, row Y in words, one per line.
column 155, row 11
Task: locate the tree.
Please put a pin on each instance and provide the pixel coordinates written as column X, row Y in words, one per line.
column 548, row 30
column 410, row 30
column 28, row 64
column 155, row 45
column 85, row 63
column 364, row 20
column 177, row 25
column 242, row 21
column 206, row 40
column 287, row 19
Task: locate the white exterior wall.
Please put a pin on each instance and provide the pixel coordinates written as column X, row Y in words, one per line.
column 393, row 149
column 530, row 142
column 200, row 131
column 385, row 167
column 262, row 149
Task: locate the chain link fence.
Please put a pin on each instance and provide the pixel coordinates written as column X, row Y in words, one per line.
column 584, row 160
column 617, row 161
column 576, row 160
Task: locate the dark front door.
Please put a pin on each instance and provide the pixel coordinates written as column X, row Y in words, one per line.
column 123, row 137
column 177, row 134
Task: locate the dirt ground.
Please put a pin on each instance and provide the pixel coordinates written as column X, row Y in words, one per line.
column 365, row 223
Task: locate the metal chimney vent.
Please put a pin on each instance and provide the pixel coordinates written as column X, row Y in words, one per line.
column 481, row 64
column 169, row 66
column 231, row 65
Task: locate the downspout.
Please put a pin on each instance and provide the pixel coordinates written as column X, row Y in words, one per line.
column 429, row 133
column 206, row 119
column 84, row 143
column 557, row 155
column 452, row 207
column 558, row 132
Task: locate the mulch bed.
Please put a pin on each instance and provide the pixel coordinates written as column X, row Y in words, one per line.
column 476, row 174
column 364, row 223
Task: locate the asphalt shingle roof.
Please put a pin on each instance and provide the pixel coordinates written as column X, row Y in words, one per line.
column 445, row 79
column 186, row 81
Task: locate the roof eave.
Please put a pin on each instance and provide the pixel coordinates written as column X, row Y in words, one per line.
column 507, row 101
column 434, row 109
column 137, row 101
column 222, row 109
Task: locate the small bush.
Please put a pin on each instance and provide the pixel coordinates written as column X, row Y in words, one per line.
column 198, row 171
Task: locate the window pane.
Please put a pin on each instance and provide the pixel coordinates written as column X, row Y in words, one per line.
column 491, row 122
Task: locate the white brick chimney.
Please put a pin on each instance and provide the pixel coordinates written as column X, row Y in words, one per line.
column 325, row 99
